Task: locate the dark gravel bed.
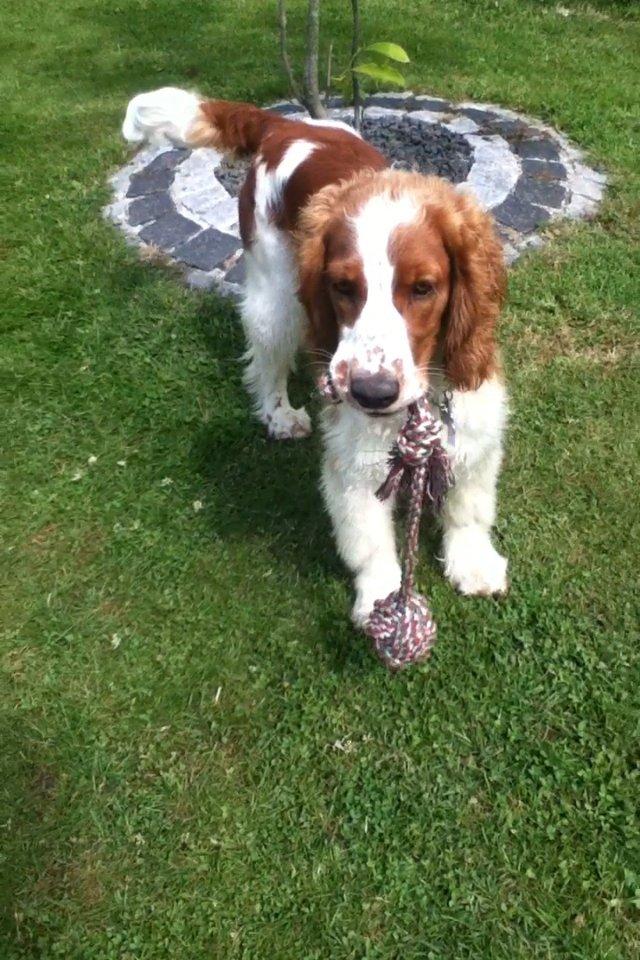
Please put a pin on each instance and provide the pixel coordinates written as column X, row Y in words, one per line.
column 414, row 145
column 231, row 174
column 408, row 144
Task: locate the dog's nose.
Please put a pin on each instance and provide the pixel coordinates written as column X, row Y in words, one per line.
column 374, row 391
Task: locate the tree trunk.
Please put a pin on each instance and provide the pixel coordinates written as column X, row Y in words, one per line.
column 286, row 62
column 311, row 89
column 309, row 94
column 355, row 46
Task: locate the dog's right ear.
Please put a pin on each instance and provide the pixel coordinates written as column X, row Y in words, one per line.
column 478, row 283
column 311, row 247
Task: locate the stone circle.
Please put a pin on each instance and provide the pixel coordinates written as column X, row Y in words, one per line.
column 184, row 202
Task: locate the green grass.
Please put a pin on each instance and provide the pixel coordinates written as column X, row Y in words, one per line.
column 198, row 757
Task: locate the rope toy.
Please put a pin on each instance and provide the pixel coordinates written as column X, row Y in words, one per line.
column 401, row 625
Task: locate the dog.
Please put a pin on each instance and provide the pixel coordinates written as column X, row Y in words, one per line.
column 394, row 281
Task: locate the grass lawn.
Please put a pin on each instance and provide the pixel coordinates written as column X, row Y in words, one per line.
column 198, row 757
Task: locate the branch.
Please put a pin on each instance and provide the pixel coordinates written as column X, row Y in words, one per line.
column 355, row 79
column 329, row 69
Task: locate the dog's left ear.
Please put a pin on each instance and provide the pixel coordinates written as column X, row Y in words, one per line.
column 478, row 286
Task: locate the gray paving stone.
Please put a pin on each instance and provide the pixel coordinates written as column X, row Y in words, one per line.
column 199, row 280
column 507, row 234
column 157, row 175
column 429, row 103
column 145, row 182
column 121, row 178
column 374, row 111
column 168, row 159
column 481, row 117
column 225, row 216
column 586, row 186
column 237, row 272
column 393, row 101
column 285, row 108
column 208, row 250
column 539, row 149
column 200, row 204
column 544, row 169
column 169, row 231
column 462, row 125
column 151, row 207
column 232, row 290
column 513, row 130
column 495, row 170
column 520, row 214
column 546, row 193
column 196, row 176
column 596, row 176
column 117, row 212
column 580, row 208
column 511, row 252
column 426, row 116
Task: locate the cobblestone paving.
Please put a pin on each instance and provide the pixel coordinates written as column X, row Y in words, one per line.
column 526, row 173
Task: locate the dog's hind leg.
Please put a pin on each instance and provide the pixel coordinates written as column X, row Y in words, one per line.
column 273, row 321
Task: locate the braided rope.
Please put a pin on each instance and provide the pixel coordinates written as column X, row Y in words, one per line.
column 401, row 625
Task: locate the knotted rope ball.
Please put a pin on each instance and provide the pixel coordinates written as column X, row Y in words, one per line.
column 402, row 629
column 401, row 625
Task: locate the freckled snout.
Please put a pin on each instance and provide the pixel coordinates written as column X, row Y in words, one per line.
column 374, row 391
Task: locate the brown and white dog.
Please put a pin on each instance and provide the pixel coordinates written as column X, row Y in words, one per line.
column 395, row 281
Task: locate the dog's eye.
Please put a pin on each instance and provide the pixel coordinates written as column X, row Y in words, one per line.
column 423, row 288
column 344, row 288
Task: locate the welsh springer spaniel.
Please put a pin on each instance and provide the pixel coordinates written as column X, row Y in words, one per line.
column 395, row 282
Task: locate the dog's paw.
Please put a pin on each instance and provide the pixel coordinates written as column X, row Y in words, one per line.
column 360, row 612
column 285, row 423
column 372, row 586
column 473, row 565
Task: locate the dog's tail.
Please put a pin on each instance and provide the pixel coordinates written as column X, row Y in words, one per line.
column 191, row 121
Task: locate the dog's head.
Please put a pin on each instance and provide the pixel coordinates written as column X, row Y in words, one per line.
column 401, row 276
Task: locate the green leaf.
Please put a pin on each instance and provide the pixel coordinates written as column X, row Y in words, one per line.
column 346, row 88
column 392, row 51
column 379, row 72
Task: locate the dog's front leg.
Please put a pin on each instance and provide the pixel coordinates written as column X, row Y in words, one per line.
column 471, row 562
column 355, row 463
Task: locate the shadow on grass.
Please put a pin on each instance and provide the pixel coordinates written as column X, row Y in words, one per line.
column 269, row 490
column 260, row 486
